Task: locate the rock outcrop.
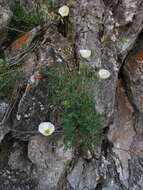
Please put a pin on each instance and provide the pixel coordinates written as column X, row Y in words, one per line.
column 112, row 30
column 5, row 17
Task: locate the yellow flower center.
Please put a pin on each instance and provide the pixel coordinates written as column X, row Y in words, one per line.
column 104, row 75
column 66, row 103
column 65, row 11
column 47, row 132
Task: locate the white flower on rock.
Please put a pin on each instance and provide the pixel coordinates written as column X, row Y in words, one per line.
column 46, row 128
column 18, row 117
column 85, row 53
column 104, row 74
column 64, row 11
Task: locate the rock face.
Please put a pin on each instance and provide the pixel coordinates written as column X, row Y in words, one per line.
column 51, row 160
column 80, row 179
column 4, row 128
column 5, row 16
column 112, row 30
column 3, row 108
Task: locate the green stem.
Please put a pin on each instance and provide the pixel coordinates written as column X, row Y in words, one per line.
column 9, row 72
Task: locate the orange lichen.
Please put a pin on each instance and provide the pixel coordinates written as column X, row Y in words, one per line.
column 117, row 137
column 20, row 42
column 141, row 64
column 139, row 57
column 39, row 76
column 137, row 150
column 45, row 80
column 140, row 76
column 29, row 87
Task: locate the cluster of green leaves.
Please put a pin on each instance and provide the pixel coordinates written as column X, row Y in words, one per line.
column 21, row 22
column 52, row 4
column 8, row 79
column 23, row 19
column 73, row 91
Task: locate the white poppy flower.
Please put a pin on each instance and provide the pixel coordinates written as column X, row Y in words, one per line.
column 18, row 117
column 104, row 74
column 113, row 38
column 46, row 128
column 64, row 11
column 85, row 53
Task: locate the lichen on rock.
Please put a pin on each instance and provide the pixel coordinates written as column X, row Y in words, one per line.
column 110, row 33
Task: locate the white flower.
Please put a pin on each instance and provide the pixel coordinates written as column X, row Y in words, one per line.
column 113, row 38
column 18, row 117
column 85, row 53
column 64, row 11
column 104, row 74
column 46, row 128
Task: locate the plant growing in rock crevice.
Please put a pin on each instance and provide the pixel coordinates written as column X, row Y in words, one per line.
column 72, row 91
column 21, row 22
column 8, row 78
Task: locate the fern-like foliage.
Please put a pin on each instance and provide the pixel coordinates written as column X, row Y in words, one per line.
column 74, row 92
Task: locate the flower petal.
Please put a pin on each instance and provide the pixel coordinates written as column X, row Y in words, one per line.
column 64, row 11
column 104, row 74
column 85, row 53
column 46, row 128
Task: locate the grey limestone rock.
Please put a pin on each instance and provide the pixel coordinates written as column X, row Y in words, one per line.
column 112, row 30
column 5, row 17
